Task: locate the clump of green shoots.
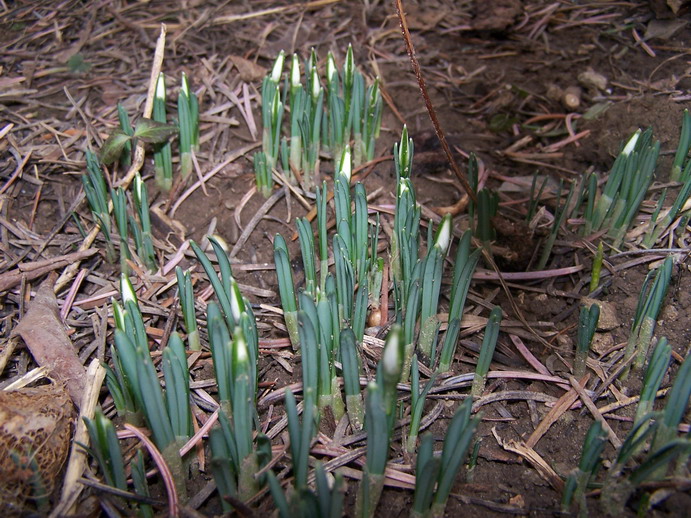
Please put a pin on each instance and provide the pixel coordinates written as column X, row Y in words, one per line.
column 649, row 304
column 301, row 500
column 626, row 186
column 666, row 449
column 435, row 476
column 96, row 193
column 272, row 118
column 135, row 387
column 236, row 454
column 94, row 186
column 380, row 416
column 678, row 171
column 657, row 367
column 587, row 325
column 482, row 212
column 431, row 277
column 105, row 448
column 285, row 289
column 489, row 343
column 577, row 481
column 238, row 450
column 321, row 119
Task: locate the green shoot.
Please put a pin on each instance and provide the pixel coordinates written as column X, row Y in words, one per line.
column 187, row 304
column 442, row 472
column 489, row 342
column 464, row 266
column 597, row 267
column 120, row 213
column 559, row 217
column 657, row 367
column 577, row 482
column 351, row 378
column 587, row 325
column 163, row 155
column 285, row 288
column 431, row 285
column 682, row 149
column 106, row 449
column 647, row 310
column 188, row 114
column 97, row 195
column 417, row 404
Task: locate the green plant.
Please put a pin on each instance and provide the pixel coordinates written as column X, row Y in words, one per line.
column 188, row 115
column 681, row 155
column 647, row 310
column 489, row 342
column 120, row 213
column 167, row 416
column 189, row 316
column 578, row 480
column 464, row 266
column 380, row 412
column 657, row 367
column 97, row 195
column 626, row 186
column 431, row 278
column 105, row 448
column 163, row 152
column 559, row 217
column 587, row 325
column 435, row 476
column 237, row 456
column 351, row 378
column 272, row 118
column 285, row 288
column 142, row 227
column 417, row 404
column 597, row 267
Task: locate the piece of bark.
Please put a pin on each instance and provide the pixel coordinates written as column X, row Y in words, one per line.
column 45, row 336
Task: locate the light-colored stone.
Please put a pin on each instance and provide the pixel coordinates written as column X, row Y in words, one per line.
column 608, row 314
column 602, row 342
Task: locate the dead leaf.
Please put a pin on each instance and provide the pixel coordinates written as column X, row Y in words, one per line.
column 45, row 336
column 663, row 29
column 249, row 70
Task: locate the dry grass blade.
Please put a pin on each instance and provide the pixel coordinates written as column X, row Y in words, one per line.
column 528, row 453
column 616, row 442
column 555, row 413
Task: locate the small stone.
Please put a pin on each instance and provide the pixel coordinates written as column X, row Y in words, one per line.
column 669, row 313
column 602, row 342
column 565, row 342
column 608, row 314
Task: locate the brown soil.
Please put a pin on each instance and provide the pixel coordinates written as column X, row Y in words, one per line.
column 492, row 68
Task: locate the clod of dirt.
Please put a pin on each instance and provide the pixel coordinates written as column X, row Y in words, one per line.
column 608, row 314
column 35, row 434
column 496, row 16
